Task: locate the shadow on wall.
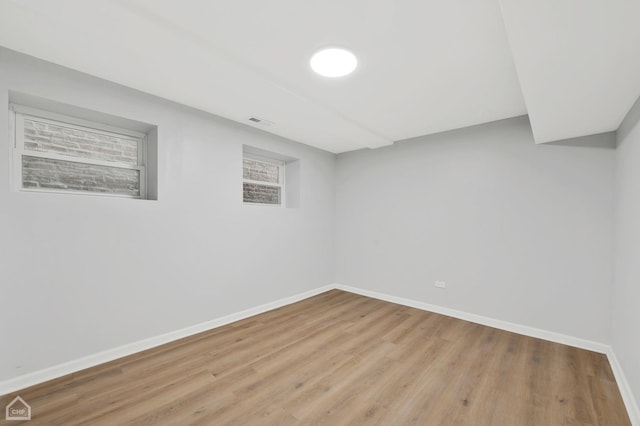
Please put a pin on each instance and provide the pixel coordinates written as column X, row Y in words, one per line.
column 602, row 140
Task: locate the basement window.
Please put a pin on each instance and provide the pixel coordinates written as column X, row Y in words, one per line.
column 58, row 153
column 262, row 180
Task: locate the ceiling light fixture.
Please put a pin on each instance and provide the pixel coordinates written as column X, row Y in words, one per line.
column 333, row 62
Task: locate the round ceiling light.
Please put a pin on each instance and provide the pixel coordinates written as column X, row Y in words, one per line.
column 333, row 62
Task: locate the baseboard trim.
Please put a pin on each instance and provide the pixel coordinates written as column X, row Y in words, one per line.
column 479, row 319
column 74, row 366
column 623, row 385
column 625, row 390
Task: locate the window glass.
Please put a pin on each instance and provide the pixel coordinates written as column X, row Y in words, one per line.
column 46, row 173
column 262, row 194
column 58, row 153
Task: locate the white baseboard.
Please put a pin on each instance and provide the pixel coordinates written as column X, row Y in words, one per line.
column 479, row 319
column 625, row 389
column 623, row 384
column 60, row 370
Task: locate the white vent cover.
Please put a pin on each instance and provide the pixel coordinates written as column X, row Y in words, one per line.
column 260, row 121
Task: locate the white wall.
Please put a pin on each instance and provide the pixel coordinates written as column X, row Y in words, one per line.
column 81, row 274
column 519, row 232
column 626, row 288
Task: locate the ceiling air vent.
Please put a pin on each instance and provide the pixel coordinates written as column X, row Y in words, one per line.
column 260, row 121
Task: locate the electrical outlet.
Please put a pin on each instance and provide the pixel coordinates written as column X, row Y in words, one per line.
column 440, row 284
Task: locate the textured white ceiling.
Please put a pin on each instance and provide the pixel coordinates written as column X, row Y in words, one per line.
column 425, row 66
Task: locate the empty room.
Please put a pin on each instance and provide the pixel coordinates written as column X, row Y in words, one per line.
column 376, row 212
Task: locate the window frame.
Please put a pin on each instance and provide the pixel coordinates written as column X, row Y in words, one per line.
column 281, row 178
column 17, row 114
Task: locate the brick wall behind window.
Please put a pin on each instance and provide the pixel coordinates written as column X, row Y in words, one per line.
column 257, row 170
column 71, row 176
column 254, row 193
column 47, row 137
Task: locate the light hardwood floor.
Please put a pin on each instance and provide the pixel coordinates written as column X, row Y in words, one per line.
column 340, row 358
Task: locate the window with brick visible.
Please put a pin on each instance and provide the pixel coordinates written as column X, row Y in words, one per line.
column 262, row 180
column 57, row 153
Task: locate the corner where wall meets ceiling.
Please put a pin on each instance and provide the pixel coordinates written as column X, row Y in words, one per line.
column 423, row 67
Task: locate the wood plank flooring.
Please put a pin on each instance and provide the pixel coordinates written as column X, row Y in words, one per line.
column 337, row 359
